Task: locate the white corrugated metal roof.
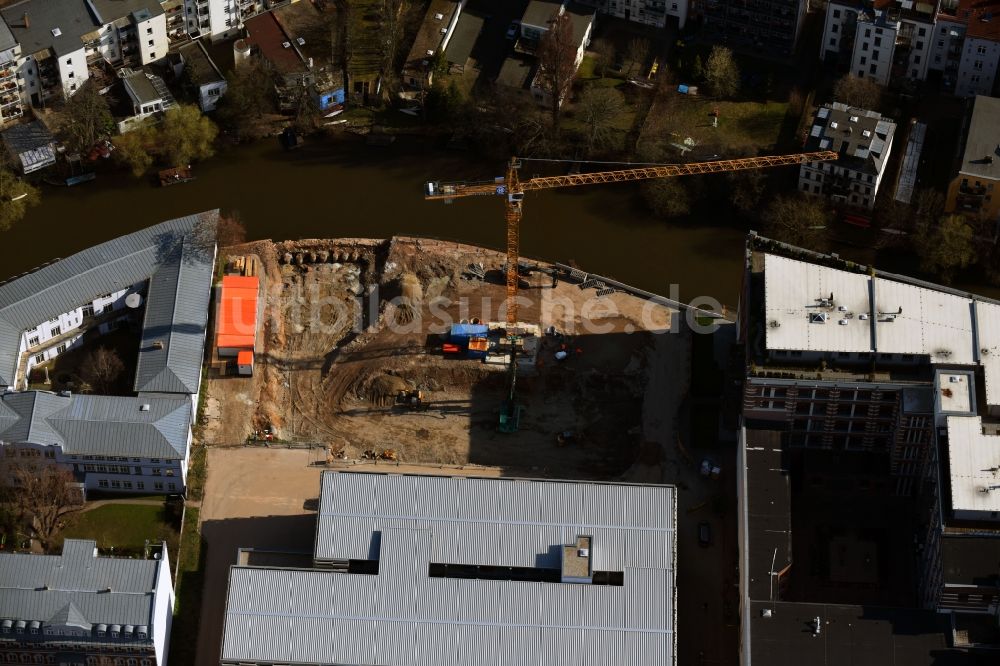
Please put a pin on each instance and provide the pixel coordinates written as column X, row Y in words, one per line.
column 404, row 616
column 915, row 320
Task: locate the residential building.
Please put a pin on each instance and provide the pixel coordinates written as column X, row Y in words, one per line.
column 437, row 570
column 84, row 608
column 147, row 95
column 109, row 443
column 536, row 21
column 296, row 75
column 201, row 72
column 30, row 145
column 863, row 139
column 975, row 188
column 655, row 13
column 431, row 42
column 884, row 40
column 767, row 28
column 60, row 40
column 10, row 98
column 980, row 59
column 157, row 280
column 463, row 41
column 883, row 392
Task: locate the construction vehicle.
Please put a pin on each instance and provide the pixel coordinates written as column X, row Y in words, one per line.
column 512, row 189
column 412, row 400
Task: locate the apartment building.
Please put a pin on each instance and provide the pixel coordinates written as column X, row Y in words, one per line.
column 84, row 608
column 895, row 383
column 535, row 23
column 863, row 139
column 881, row 40
column 157, row 281
column 59, row 41
column 768, row 28
column 655, row 13
column 222, row 19
column 434, row 570
column 975, row 187
column 966, row 46
column 10, row 98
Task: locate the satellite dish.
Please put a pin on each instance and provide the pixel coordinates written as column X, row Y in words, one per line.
column 133, row 301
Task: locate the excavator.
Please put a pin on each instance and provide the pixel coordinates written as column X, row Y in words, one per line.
column 512, row 188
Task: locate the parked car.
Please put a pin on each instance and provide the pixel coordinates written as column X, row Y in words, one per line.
column 704, row 533
column 512, row 31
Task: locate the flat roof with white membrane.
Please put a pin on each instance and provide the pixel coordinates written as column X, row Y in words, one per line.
column 793, row 293
column 988, row 334
column 915, row 320
column 974, row 461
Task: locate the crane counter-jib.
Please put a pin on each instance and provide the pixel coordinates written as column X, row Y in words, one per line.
column 437, row 190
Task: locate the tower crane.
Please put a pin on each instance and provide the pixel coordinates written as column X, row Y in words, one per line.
column 512, row 188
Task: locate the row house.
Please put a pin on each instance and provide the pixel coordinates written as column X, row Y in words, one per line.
column 80, row 608
column 974, row 190
column 156, row 281
column 881, row 41
column 890, row 40
column 59, row 41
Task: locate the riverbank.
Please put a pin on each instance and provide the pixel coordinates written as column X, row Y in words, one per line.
column 341, row 187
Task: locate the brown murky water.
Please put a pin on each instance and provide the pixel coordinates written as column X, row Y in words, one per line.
column 343, row 188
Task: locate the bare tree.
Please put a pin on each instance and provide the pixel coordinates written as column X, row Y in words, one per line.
column 604, row 55
column 638, row 51
column 40, row 495
column 797, row 219
column 557, row 62
column 101, row 369
column 230, row 229
column 599, row 109
column 854, row 91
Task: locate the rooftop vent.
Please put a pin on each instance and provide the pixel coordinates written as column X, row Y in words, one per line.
column 854, row 119
column 863, row 315
column 842, row 322
column 56, row 32
column 286, row 45
column 867, row 134
column 444, row 31
column 144, row 407
column 300, row 41
column 430, row 52
column 833, row 124
column 158, row 344
column 765, row 612
column 817, row 318
column 439, row 17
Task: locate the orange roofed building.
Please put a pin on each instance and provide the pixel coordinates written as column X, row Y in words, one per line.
column 236, row 329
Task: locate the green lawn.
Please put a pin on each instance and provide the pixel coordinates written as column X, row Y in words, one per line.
column 189, row 585
column 744, row 127
column 124, row 527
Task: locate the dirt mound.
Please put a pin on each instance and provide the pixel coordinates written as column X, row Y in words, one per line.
column 383, row 389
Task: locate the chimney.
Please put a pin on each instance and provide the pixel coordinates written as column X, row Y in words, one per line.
column 27, row 21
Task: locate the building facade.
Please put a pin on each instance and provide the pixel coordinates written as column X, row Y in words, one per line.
column 655, row 13
column 767, row 28
column 864, row 140
column 880, row 41
column 10, row 97
column 974, row 190
column 83, row 609
column 204, row 75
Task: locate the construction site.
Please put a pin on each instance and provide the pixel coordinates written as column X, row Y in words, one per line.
column 382, row 351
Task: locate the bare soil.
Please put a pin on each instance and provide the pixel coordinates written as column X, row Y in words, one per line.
column 349, row 322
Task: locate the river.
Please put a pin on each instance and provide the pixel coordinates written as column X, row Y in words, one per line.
column 330, row 189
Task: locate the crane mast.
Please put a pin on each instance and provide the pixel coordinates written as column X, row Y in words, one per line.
column 512, row 188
